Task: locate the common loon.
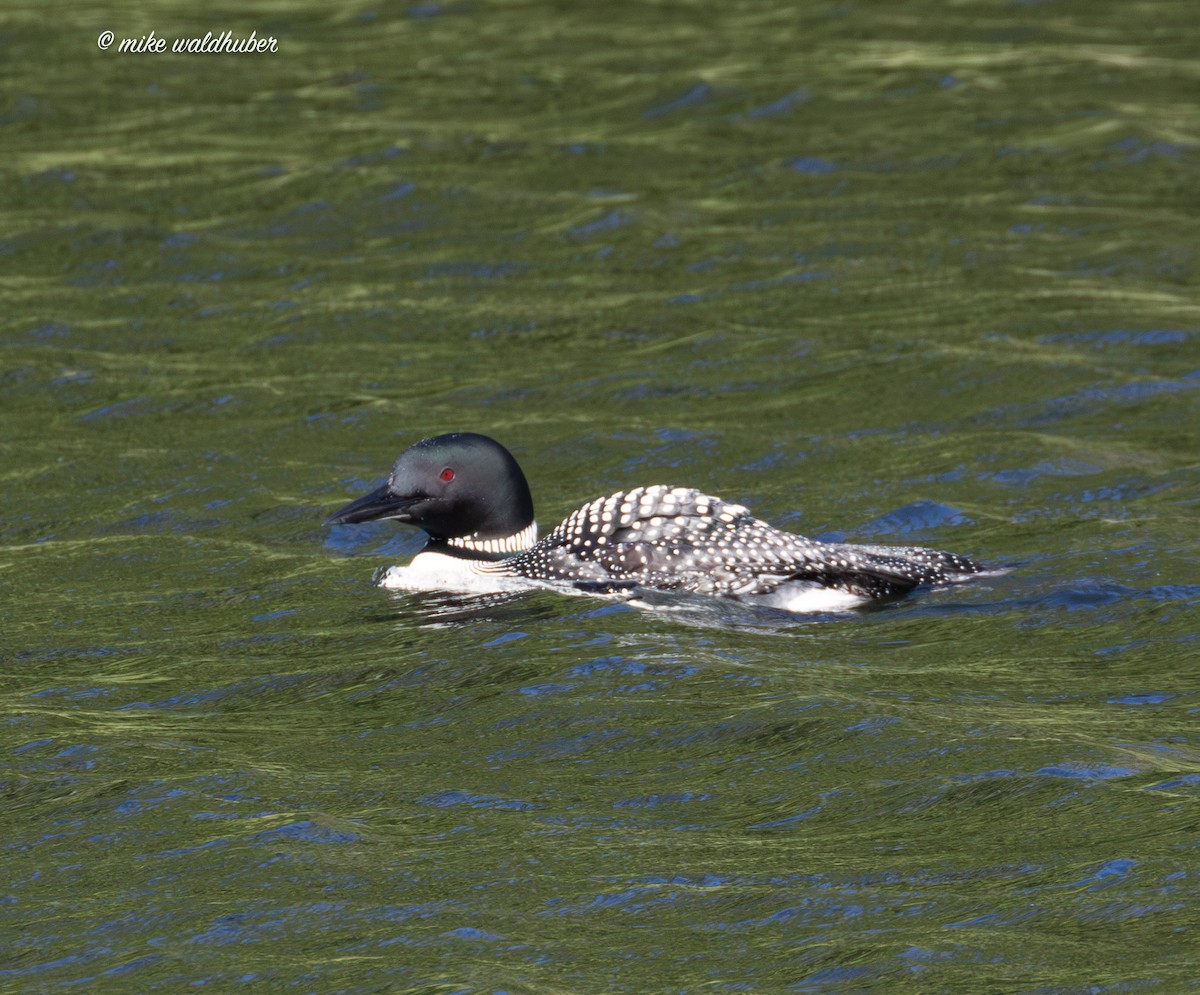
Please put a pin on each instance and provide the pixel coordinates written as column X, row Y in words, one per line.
column 469, row 494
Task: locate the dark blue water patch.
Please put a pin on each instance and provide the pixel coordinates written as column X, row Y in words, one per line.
column 507, row 637
column 398, row 192
column 1183, row 781
column 368, row 95
column 1064, row 467
column 1108, row 873
column 546, row 688
column 248, row 689
column 654, row 676
column 1100, row 398
column 179, row 240
column 72, row 694
column 23, row 374
column 986, row 775
column 624, row 666
column 772, row 462
column 52, row 965
column 428, row 11
column 995, row 919
column 132, row 965
column 220, row 843
column 397, row 228
column 874, row 724
column 1086, row 594
column 472, row 933
column 217, row 310
column 306, row 831
column 55, row 174
column 781, row 106
column 70, row 652
column 158, row 521
column 584, row 148
column 1143, row 698
column 508, row 328
column 835, row 979
column 270, row 616
column 811, row 165
column 1116, row 494
column 802, row 276
column 726, row 386
column 374, row 158
column 1172, row 749
column 319, row 208
column 605, row 740
column 97, row 273
column 24, row 108
column 233, row 927
column 787, row 821
column 667, row 452
column 699, row 94
column 654, row 801
column 454, row 798
column 375, row 539
column 708, row 880
column 475, row 270
column 1187, row 593
column 185, row 699
column 607, row 223
column 1122, row 337
column 918, row 516
column 1136, row 151
column 390, row 210
column 672, row 435
column 51, row 330
column 634, row 899
column 1082, row 772
column 1133, row 644
column 134, row 407
column 36, row 744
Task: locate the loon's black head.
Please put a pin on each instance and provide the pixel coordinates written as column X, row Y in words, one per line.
column 451, row 486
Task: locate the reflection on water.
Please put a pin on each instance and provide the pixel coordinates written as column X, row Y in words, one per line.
column 914, row 277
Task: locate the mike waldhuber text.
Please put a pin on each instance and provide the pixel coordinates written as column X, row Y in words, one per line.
column 210, row 44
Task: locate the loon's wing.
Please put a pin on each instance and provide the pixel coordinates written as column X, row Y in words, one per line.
column 680, row 539
column 884, row 571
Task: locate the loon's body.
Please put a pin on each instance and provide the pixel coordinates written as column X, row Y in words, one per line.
column 468, row 493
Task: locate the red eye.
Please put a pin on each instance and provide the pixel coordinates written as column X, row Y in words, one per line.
column 446, row 475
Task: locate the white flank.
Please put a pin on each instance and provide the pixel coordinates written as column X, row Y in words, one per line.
column 805, row 596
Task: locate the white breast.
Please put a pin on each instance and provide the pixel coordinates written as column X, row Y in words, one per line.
column 439, row 572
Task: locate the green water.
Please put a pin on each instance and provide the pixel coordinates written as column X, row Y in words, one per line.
column 909, row 273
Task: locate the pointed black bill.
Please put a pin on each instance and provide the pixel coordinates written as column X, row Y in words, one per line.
column 376, row 506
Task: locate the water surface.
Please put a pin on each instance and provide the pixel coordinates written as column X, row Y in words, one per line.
column 918, row 274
